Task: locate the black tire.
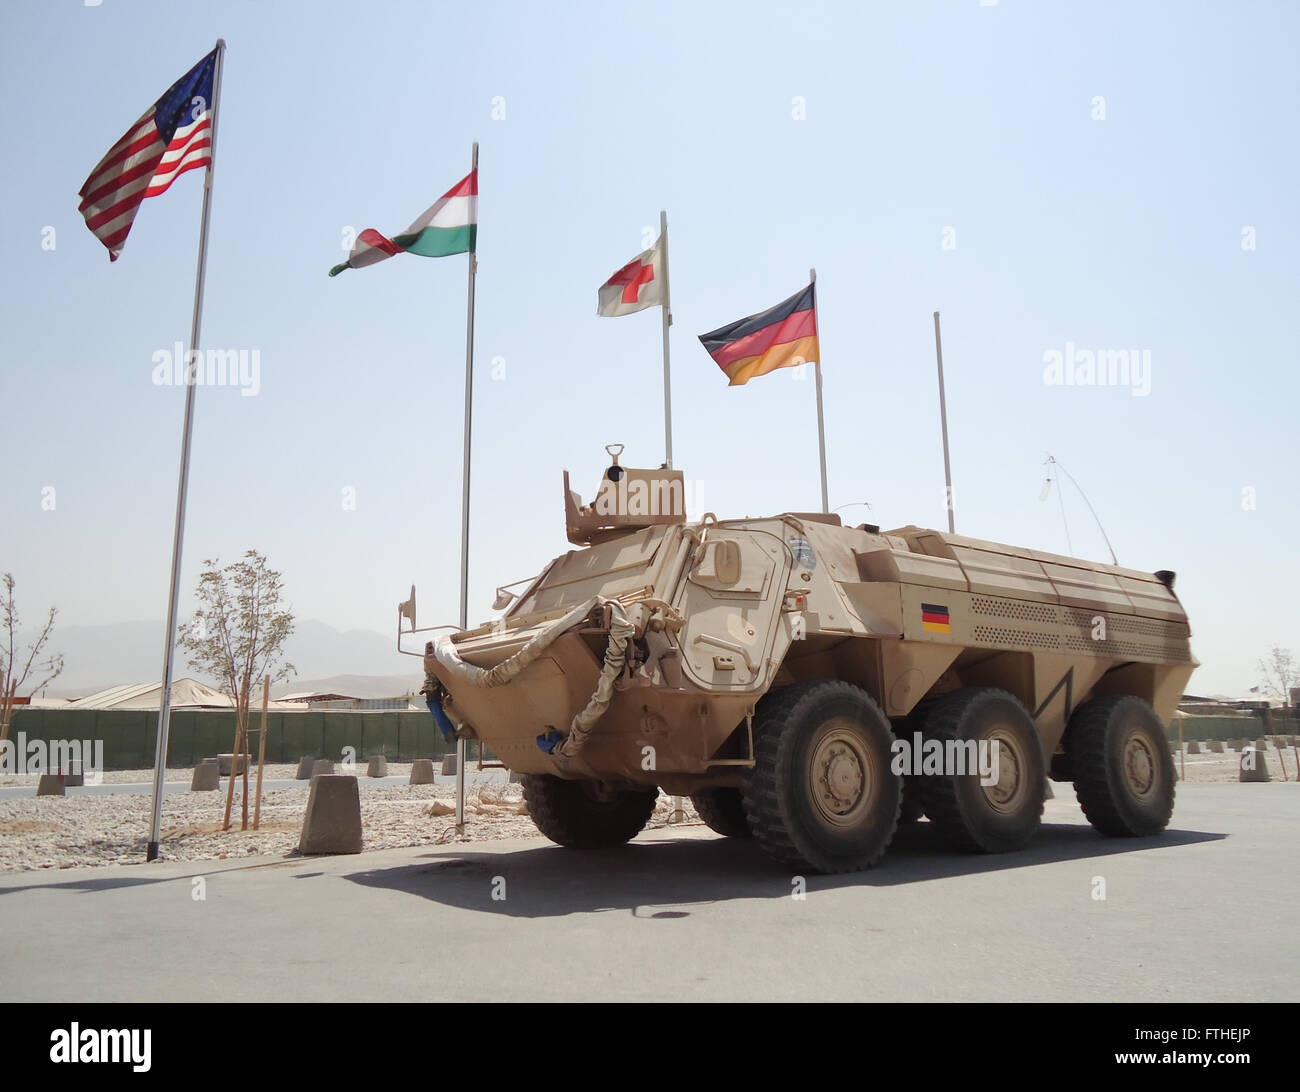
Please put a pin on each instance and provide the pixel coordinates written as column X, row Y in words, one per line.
column 997, row 818
column 723, row 812
column 833, row 734
column 574, row 814
column 1123, row 772
column 913, row 809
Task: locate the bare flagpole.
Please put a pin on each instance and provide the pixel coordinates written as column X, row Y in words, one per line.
column 667, row 310
column 461, row 749
column 943, row 420
column 821, row 420
column 679, row 804
column 173, row 602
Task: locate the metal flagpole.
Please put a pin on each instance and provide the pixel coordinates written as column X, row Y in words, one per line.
column 678, row 814
column 461, row 749
column 173, row 602
column 821, row 421
column 667, row 310
column 943, row 420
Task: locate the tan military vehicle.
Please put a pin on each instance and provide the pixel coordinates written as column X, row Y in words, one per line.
column 810, row 684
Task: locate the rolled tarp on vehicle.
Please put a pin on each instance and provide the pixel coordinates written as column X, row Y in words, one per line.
column 443, row 651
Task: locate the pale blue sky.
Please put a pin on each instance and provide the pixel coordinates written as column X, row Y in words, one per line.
column 1116, row 233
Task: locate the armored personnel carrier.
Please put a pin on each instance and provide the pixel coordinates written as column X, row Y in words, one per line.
column 810, row 684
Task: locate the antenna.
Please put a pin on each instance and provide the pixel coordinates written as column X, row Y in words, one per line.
column 1055, row 463
column 1060, row 496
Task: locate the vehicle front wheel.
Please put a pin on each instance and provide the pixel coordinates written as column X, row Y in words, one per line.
column 821, row 794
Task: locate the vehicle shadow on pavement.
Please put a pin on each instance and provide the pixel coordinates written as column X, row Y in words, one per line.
column 661, row 878
column 87, row 885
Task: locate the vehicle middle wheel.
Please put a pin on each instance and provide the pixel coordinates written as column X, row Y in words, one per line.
column 1005, row 814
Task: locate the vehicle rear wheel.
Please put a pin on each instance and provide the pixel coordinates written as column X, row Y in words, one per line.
column 1005, row 814
column 821, row 794
column 723, row 812
column 1123, row 772
column 584, row 815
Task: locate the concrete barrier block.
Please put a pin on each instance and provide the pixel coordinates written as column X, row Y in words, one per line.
column 449, row 764
column 1235, row 744
column 206, row 776
column 50, row 784
column 74, row 780
column 1193, row 748
column 322, row 767
column 333, row 820
column 1253, row 767
column 304, row 768
column 226, row 764
column 422, row 772
column 1215, row 746
column 377, row 766
column 1261, row 745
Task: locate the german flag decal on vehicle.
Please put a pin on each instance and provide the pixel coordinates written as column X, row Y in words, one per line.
column 934, row 619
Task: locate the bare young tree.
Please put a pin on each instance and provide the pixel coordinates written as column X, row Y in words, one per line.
column 239, row 629
column 16, row 668
column 1279, row 674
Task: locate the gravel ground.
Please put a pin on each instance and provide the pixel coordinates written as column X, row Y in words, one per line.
column 97, row 829
column 85, row 829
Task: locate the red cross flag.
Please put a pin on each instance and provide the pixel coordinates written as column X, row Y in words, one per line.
column 638, row 285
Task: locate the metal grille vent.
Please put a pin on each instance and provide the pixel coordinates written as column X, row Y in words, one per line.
column 1013, row 608
column 1014, row 638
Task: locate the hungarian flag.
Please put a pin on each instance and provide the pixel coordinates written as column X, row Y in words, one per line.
column 780, row 337
column 448, row 226
column 173, row 136
column 638, row 285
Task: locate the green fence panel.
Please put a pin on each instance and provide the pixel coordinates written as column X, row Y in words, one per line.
column 392, row 733
column 293, row 742
column 209, row 734
column 372, row 735
column 273, row 736
column 313, row 726
column 430, row 739
column 335, row 735
column 129, row 736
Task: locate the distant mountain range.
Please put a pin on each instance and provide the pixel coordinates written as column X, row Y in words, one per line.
column 358, row 662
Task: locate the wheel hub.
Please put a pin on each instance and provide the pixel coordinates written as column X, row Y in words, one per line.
column 1139, row 766
column 839, row 774
column 1007, row 792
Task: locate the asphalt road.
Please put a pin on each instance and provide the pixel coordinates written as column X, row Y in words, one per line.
column 1204, row 913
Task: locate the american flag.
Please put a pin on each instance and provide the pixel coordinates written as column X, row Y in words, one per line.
column 173, row 136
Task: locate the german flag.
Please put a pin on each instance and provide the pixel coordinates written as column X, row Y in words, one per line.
column 935, row 619
column 780, row 337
